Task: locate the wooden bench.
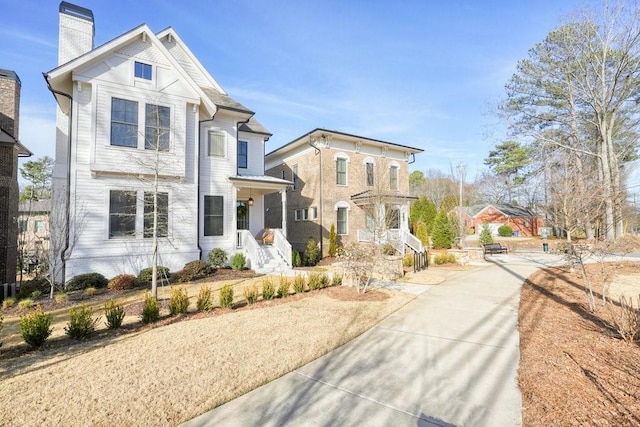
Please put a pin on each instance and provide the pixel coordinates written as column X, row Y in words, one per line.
column 494, row 248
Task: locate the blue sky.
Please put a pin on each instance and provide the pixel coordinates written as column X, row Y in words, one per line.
column 420, row 73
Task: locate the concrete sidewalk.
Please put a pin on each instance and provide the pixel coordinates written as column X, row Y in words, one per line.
column 450, row 357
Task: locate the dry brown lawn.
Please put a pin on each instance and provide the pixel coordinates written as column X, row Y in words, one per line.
column 168, row 374
column 574, row 369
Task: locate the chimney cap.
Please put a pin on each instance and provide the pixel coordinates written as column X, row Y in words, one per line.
column 10, row 75
column 77, row 11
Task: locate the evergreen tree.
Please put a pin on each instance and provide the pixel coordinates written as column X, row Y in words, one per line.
column 423, row 210
column 333, row 241
column 485, row 235
column 421, row 233
column 442, row 232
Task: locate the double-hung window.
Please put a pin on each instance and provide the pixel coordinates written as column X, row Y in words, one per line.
column 342, row 219
column 162, row 209
column 124, row 123
column 216, row 143
column 213, row 215
column 393, row 178
column 243, row 154
column 341, row 171
column 296, row 180
column 122, row 213
column 157, row 127
column 369, row 172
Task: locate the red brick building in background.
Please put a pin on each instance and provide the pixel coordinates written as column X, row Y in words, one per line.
column 524, row 222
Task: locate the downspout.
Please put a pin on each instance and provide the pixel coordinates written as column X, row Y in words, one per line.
column 198, row 182
column 68, row 198
column 238, row 139
column 319, row 153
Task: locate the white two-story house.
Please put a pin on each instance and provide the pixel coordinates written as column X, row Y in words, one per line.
column 149, row 143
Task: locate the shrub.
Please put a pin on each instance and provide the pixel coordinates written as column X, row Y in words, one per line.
column 445, row 258
column 25, row 304
column 422, row 234
column 36, row 294
column 315, row 281
column 193, row 270
column 61, row 298
column 90, row 291
column 283, row 287
column 268, row 289
column 81, row 324
column 312, row 253
column 217, row 257
column 238, row 261
column 146, row 274
column 83, row 281
column 388, row 249
column 122, row 282
column 442, row 231
column 333, row 241
column 299, row 284
column 226, row 296
column 35, row 327
column 407, row 261
column 336, row 280
column 325, row 282
column 179, row 301
column 625, row 319
column 251, row 294
column 114, row 314
column 8, row 302
column 505, row 231
column 295, row 258
column 485, row 235
column 29, row 286
column 204, row 301
column 150, row 309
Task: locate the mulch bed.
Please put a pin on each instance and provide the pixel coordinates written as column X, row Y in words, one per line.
column 574, row 369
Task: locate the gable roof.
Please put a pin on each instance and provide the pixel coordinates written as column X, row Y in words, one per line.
column 507, row 210
column 304, row 139
column 58, row 79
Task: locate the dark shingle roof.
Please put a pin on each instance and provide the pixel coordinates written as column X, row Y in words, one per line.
column 225, row 101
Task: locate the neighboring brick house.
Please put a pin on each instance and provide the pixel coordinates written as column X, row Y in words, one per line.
column 10, row 150
column 523, row 221
column 337, row 179
column 33, row 231
column 147, row 120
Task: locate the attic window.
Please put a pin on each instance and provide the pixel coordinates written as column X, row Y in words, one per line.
column 143, row 71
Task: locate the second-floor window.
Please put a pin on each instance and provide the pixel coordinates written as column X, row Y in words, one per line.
column 369, row 172
column 156, row 127
column 393, row 178
column 216, row 143
column 124, row 123
column 242, row 154
column 296, row 180
column 38, row 226
column 341, row 171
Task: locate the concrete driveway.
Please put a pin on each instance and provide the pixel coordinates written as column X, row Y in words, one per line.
column 449, row 357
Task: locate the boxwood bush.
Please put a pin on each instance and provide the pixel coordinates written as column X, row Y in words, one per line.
column 505, row 231
column 83, row 281
column 35, row 327
column 217, row 257
column 145, row 274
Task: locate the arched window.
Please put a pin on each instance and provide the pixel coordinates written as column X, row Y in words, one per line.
column 342, row 218
column 341, row 168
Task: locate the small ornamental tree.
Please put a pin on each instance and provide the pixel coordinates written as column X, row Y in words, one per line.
column 422, row 234
column 442, row 233
column 333, row 241
column 485, row 235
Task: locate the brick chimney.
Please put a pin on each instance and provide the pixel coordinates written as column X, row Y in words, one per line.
column 76, row 32
column 9, row 114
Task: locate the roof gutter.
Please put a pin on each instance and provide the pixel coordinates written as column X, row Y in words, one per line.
column 67, row 203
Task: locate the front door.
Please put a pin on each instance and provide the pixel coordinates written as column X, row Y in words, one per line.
column 242, row 209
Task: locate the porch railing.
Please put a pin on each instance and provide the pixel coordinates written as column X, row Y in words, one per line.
column 283, row 246
column 252, row 249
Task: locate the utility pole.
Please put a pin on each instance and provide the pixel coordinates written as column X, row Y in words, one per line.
column 460, row 224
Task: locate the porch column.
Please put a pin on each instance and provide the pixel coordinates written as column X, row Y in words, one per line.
column 283, row 197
